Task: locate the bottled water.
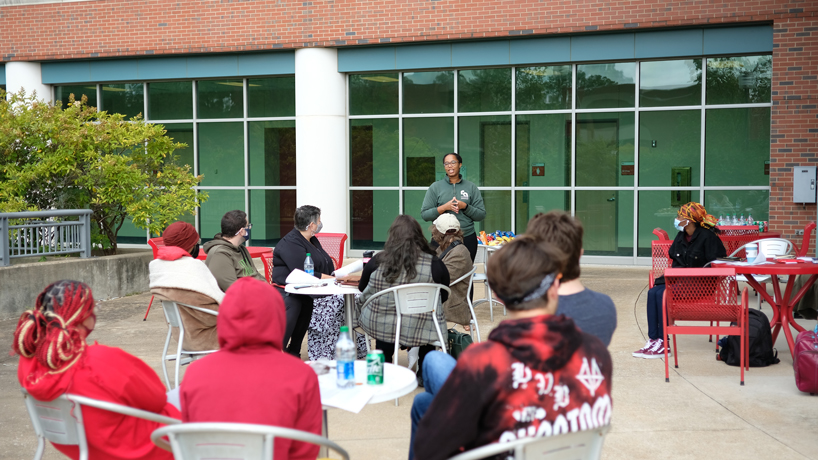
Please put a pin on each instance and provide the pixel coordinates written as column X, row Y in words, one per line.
column 345, row 352
column 734, row 221
column 741, row 220
column 721, row 220
column 750, row 220
column 309, row 267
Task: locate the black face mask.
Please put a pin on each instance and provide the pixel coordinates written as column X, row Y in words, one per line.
column 195, row 252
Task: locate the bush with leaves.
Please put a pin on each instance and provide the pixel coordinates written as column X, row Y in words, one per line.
column 55, row 158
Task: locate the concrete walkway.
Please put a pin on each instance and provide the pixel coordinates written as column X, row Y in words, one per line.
column 701, row 413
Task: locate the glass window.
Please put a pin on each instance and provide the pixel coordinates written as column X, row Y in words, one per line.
column 130, row 234
column 484, row 90
column 657, row 209
column 739, row 80
column 373, row 212
column 498, row 211
column 670, row 148
column 425, row 141
column 605, row 144
column 428, row 92
column 220, row 98
column 737, row 146
column 607, row 220
column 221, row 153
column 485, row 145
column 543, row 88
column 601, row 86
column 373, row 94
column 182, row 132
column 271, row 97
column 669, row 83
column 62, row 94
column 373, row 152
column 271, row 212
column 218, row 203
column 748, row 202
column 543, row 150
column 412, row 202
column 171, row 100
column 272, row 152
column 529, row 203
column 126, row 98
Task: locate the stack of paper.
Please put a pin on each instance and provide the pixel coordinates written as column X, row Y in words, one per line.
column 351, row 268
column 301, row 277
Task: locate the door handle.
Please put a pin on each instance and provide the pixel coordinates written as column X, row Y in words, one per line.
column 613, row 198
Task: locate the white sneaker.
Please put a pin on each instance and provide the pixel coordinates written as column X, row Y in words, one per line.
column 640, row 353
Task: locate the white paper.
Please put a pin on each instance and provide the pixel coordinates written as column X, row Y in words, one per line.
column 301, row 277
column 349, row 399
column 759, row 259
column 351, row 268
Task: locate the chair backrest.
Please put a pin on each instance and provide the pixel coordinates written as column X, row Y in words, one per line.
column 53, row 420
column 171, row 313
column 192, row 441
column 703, row 294
column 333, row 244
column 661, row 234
column 482, row 254
column 734, row 238
column 774, row 246
column 155, row 244
column 580, row 445
column 267, row 260
column 805, row 241
column 660, row 258
column 467, row 278
column 414, row 299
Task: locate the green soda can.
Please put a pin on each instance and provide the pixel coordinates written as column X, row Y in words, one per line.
column 374, row 367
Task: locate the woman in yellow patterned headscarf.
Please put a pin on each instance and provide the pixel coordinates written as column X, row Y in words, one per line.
column 696, row 212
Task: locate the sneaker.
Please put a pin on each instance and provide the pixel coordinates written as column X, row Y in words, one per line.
column 656, row 351
column 640, row 352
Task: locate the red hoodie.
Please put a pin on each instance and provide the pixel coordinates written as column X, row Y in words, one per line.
column 112, row 375
column 537, row 376
column 250, row 379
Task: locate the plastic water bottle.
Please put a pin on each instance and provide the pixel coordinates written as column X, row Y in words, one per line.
column 309, row 267
column 750, row 220
column 721, row 220
column 345, row 359
column 741, row 220
column 735, row 220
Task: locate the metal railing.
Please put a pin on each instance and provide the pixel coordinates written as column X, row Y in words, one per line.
column 44, row 233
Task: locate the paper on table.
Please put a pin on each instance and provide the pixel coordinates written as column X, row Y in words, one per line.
column 349, row 399
column 351, row 268
column 301, row 277
column 759, row 259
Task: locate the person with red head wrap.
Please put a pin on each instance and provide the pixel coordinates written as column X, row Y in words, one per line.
column 55, row 358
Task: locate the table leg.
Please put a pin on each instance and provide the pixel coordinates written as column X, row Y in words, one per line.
column 349, row 304
column 323, row 452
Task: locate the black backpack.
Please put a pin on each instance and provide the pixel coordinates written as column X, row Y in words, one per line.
column 760, row 342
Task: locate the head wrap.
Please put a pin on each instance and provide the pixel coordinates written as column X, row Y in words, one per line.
column 535, row 293
column 696, row 212
column 180, row 234
column 49, row 332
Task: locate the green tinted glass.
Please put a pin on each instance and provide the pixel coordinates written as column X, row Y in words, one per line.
column 498, row 211
column 412, row 202
column 272, row 152
column 373, row 152
column 63, row 93
column 605, row 144
column 543, row 88
column 484, row 90
column 670, row 83
column 607, row 220
column 425, row 141
column 739, row 80
column 220, row 98
column 217, row 205
column 130, row 234
column 543, row 150
column 737, row 146
column 485, row 145
column 171, row 100
column 755, row 203
column 221, row 153
column 670, row 145
column 271, row 212
column 271, row 97
column 428, row 92
column 601, row 86
column 126, row 98
column 530, row 203
column 182, row 132
column 657, row 209
column 373, row 212
column 373, row 94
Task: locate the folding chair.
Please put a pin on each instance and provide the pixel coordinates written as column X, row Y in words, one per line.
column 468, row 279
column 174, row 320
column 60, row 421
column 580, row 445
column 234, row 441
column 704, row 294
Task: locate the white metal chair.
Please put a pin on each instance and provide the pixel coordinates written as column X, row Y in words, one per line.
column 60, row 420
column 235, row 441
column 581, row 445
column 174, row 320
column 770, row 247
column 482, row 258
column 468, row 279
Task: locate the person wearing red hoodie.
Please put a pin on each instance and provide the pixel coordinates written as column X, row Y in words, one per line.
column 536, row 375
column 56, row 359
column 251, row 379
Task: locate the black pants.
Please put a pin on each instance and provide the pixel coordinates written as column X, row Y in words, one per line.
column 470, row 241
column 299, row 314
column 388, row 349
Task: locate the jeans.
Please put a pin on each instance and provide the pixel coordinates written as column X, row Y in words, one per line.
column 656, row 328
column 436, row 369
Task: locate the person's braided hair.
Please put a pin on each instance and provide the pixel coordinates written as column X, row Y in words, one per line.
column 49, row 333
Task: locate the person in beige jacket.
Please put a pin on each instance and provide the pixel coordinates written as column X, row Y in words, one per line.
column 454, row 254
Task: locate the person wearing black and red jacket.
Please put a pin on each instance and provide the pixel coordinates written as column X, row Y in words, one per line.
column 536, row 375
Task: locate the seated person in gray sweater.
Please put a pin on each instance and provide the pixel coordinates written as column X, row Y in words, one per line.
column 591, row 311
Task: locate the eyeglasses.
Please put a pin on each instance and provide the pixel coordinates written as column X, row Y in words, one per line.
column 450, row 163
column 249, row 226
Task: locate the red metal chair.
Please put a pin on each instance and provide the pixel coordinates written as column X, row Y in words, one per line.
column 801, row 251
column 704, row 294
column 333, row 244
column 267, row 260
column 660, row 259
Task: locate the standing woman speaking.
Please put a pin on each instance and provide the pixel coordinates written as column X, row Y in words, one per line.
column 455, row 195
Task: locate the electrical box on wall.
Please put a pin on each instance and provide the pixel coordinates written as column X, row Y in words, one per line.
column 803, row 184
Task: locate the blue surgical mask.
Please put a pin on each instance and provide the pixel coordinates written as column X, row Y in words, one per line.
column 247, row 233
column 678, row 224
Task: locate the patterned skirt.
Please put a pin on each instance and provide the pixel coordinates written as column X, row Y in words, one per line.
column 325, row 328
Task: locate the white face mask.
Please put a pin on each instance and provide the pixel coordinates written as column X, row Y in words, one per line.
column 678, row 224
